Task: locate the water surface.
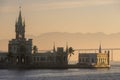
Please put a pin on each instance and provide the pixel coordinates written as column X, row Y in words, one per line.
column 68, row 74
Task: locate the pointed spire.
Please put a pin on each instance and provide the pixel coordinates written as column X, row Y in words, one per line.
column 20, row 16
column 20, row 8
column 100, row 49
column 20, row 26
column 66, row 47
column 54, row 47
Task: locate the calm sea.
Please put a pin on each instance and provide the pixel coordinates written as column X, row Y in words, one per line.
column 69, row 74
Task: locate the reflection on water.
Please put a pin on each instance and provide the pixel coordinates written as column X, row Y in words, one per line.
column 70, row 74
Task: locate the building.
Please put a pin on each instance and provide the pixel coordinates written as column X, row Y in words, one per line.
column 21, row 55
column 94, row 59
column 55, row 58
column 20, row 48
column 20, row 52
column 3, row 57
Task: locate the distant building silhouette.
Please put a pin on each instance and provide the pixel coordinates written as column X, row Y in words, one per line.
column 94, row 59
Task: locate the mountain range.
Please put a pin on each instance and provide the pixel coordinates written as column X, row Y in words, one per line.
column 46, row 41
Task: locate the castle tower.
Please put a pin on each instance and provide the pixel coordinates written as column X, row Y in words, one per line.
column 20, row 27
column 20, row 47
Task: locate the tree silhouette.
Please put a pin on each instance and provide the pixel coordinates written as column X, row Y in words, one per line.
column 71, row 51
column 35, row 49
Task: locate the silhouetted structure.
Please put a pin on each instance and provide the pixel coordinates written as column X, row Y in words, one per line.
column 20, row 52
column 94, row 59
column 20, row 48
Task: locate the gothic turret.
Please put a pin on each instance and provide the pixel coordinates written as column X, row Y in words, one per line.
column 66, row 47
column 54, row 47
column 20, row 47
column 20, row 27
column 100, row 49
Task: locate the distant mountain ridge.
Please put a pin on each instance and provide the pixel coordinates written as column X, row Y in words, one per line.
column 73, row 34
column 77, row 40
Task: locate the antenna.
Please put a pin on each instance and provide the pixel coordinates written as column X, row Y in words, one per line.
column 66, row 44
column 20, row 7
column 20, row 4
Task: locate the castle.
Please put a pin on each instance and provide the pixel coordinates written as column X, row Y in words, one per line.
column 20, row 51
column 21, row 55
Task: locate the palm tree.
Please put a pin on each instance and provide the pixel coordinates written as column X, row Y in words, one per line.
column 71, row 51
column 35, row 49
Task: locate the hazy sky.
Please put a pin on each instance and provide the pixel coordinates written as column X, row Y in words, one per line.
column 72, row 16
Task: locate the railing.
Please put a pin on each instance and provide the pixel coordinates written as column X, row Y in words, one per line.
column 98, row 49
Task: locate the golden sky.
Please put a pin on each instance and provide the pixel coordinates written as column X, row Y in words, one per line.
column 42, row 16
column 72, row 16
